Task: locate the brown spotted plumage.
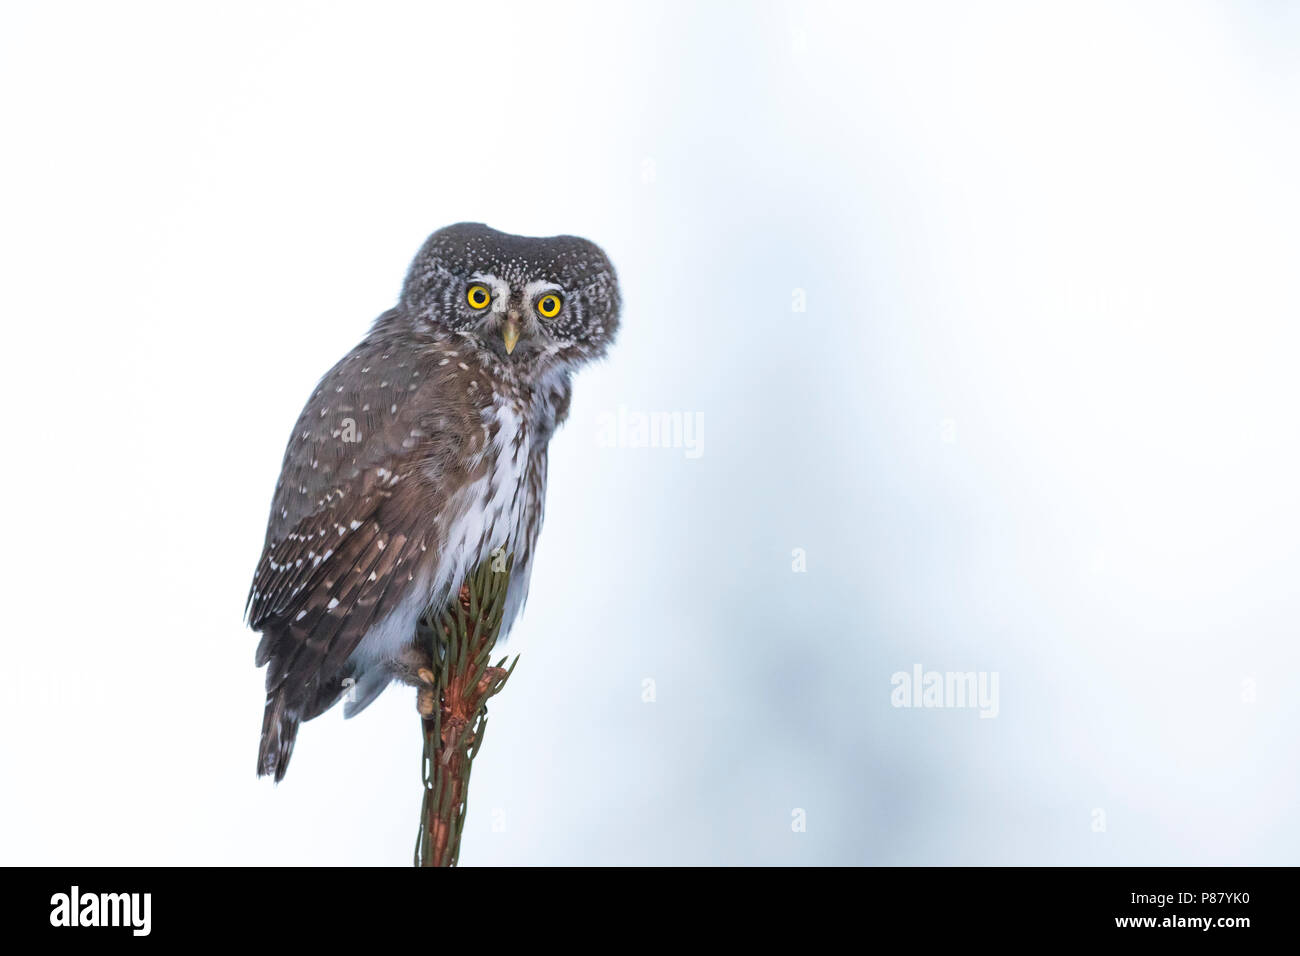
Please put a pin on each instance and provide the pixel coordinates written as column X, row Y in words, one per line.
column 418, row 456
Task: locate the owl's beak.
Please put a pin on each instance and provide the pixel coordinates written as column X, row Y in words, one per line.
column 510, row 334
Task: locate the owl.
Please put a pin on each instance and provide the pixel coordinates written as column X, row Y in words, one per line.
column 419, row 456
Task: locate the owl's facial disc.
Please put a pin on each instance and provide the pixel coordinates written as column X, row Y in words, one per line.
column 514, row 317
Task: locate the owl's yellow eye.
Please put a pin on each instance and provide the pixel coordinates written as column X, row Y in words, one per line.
column 478, row 296
column 549, row 305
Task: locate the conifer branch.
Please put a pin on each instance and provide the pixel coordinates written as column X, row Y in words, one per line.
column 453, row 705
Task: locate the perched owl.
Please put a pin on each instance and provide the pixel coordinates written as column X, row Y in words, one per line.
column 419, row 454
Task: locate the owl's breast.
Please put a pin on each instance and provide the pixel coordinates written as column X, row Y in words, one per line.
column 497, row 511
column 502, row 492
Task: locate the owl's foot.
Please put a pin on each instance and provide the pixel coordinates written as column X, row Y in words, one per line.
column 426, row 698
column 415, row 668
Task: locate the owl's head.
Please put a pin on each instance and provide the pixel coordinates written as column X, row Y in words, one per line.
column 527, row 300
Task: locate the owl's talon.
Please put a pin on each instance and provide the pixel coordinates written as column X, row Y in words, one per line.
column 426, row 700
column 413, row 666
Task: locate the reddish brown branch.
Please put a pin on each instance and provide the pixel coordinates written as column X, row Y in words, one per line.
column 453, row 709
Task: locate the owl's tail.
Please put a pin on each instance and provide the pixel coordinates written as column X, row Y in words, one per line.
column 279, row 730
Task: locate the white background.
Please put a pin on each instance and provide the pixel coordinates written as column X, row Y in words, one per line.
column 1040, row 417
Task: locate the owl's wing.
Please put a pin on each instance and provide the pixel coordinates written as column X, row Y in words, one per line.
column 316, row 595
column 319, row 592
column 352, row 514
column 352, row 525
